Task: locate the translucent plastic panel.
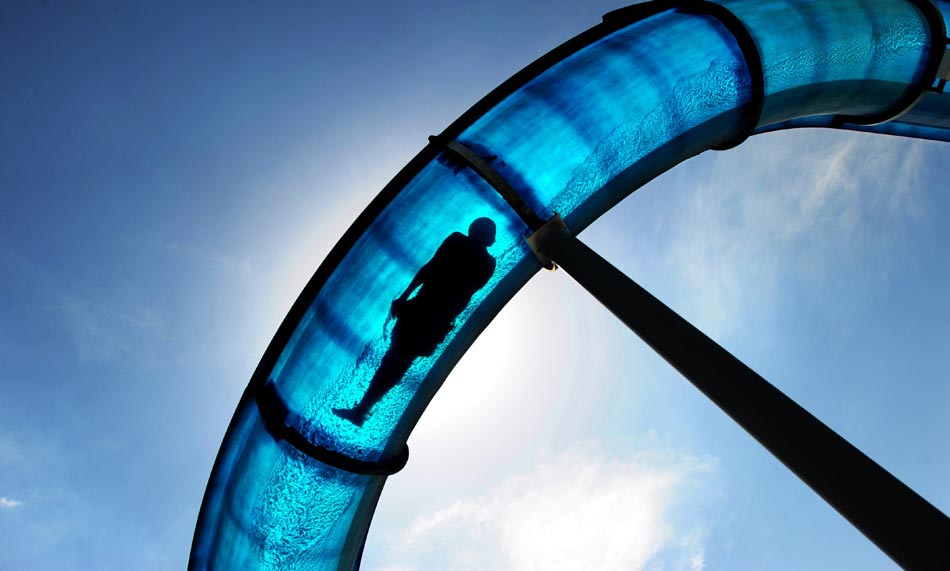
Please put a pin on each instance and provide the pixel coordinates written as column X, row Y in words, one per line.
column 585, row 120
column 342, row 338
column 278, row 509
column 848, row 57
column 944, row 6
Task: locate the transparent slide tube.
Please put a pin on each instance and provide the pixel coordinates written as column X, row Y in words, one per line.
column 573, row 133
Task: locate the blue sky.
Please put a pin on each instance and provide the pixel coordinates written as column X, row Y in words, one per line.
column 170, row 176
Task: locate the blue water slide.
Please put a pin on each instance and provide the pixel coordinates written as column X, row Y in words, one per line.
column 295, row 483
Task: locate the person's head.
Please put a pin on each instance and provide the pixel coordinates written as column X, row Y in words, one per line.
column 482, row 230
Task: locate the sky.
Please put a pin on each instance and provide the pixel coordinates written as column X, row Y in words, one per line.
column 172, row 174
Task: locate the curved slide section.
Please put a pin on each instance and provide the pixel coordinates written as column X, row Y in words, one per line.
column 303, row 462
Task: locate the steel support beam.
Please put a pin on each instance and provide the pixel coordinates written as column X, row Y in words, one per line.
column 905, row 526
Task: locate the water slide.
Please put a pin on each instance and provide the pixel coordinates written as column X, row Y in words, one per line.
column 296, row 481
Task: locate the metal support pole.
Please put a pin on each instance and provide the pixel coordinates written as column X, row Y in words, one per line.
column 905, row 526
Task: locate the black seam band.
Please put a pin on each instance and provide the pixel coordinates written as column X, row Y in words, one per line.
column 753, row 62
column 495, row 180
column 274, row 413
column 913, row 93
column 732, row 23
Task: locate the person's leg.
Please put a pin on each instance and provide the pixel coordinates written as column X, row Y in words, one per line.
column 391, row 370
column 411, row 338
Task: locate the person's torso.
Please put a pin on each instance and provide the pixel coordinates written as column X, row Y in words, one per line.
column 460, row 268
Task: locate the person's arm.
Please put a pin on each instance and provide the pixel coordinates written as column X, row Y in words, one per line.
column 487, row 272
column 417, row 281
column 421, row 276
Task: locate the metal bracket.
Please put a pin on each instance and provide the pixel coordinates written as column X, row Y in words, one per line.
column 274, row 412
column 555, row 224
column 493, row 178
column 943, row 70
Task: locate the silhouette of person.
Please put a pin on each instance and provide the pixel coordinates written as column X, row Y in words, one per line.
column 460, row 267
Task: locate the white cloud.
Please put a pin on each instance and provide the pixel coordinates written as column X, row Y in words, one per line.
column 231, row 265
column 12, row 453
column 104, row 330
column 804, row 202
column 9, row 503
column 104, row 323
column 582, row 509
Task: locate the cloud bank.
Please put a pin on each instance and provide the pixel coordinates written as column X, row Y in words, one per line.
column 801, row 202
column 9, row 503
column 581, row 509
